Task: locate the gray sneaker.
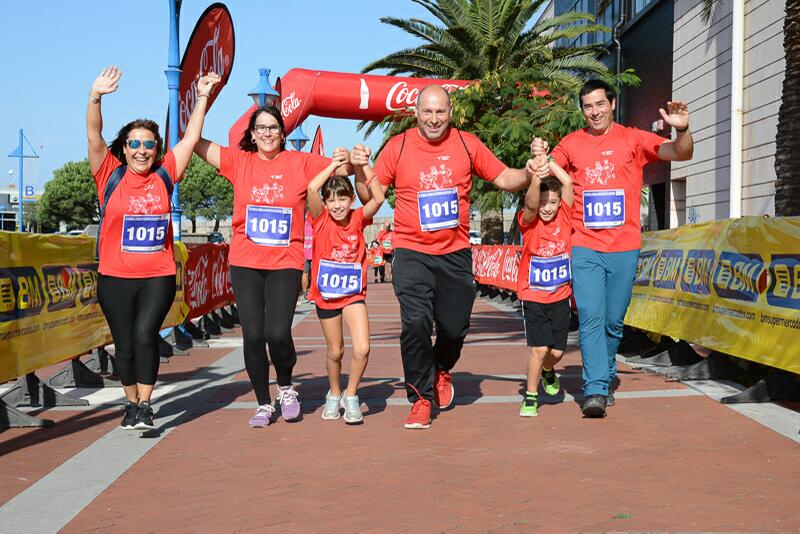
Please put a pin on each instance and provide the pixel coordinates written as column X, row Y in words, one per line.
column 290, row 405
column 331, row 410
column 352, row 410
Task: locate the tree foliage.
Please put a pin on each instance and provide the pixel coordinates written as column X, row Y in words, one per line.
column 70, row 196
column 204, row 193
column 497, row 43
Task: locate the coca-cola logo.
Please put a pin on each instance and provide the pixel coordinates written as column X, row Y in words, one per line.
column 210, row 49
column 198, row 283
column 219, row 272
column 400, row 97
column 289, row 104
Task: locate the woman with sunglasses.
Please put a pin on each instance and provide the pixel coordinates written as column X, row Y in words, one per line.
column 266, row 257
column 136, row 282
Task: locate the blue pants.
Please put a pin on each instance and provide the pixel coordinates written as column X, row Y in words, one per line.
column 603, row 283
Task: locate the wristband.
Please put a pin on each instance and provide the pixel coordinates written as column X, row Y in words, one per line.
column 94, row 99
column 682, row 131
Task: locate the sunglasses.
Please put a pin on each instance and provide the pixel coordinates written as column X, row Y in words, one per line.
column 134, row 144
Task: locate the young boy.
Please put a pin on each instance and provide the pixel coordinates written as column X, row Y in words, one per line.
column 544, row 276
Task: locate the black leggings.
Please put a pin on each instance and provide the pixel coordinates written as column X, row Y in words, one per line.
column 135, row 308
column 266, row 300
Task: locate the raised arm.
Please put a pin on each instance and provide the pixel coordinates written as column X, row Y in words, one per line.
column 531, row 207
column 208, row 151
column 512, row 179
column 183, row 150
column 315, row 205
column 359, row 157
column 682, row 148
column 372, row 206
column 567, row 192
column 105, row 84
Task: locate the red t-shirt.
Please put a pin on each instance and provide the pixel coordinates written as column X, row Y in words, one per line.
column 386, row 241
column 607, row 176
column 339, row 264
column 548, row 243
column 432, row 185
column 269, row 199
column 374, row 257
column 136, row 237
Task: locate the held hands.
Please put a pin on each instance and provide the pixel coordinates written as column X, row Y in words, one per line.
column 360, row 155
column 676, row 115
column 538, row 167
column 340, row 157
column 107, row 82
column 205, row 85
column 539, row 147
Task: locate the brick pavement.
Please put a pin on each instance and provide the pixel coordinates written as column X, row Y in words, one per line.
column 658, row 462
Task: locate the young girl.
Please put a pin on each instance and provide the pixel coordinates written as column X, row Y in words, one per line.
column 338, row 285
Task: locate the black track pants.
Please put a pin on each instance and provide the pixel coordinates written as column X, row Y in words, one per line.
column 433, row 291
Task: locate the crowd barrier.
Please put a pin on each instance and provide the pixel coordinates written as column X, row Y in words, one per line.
column 730, row 286
column 49, row 314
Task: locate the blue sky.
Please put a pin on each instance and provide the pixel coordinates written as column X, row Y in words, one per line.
column 53, row 54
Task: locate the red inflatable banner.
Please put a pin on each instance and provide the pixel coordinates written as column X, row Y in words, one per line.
column 208, row 279
column 210, row 49
column 496, row 265
column 342, row 95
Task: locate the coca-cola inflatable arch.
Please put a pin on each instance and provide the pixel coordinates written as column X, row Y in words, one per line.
column 342, row 95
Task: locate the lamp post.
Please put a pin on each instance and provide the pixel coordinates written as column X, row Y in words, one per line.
column 298, row 138
column 263, row 93
column 173, row 73
column 20, row 153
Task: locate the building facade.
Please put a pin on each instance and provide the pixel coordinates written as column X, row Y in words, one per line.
column 679, row 56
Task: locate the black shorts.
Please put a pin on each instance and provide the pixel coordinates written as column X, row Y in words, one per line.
column 546, row 325
column 330, row 314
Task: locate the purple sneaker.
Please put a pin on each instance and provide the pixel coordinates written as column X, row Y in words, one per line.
column 290, row 406
column 263, row 416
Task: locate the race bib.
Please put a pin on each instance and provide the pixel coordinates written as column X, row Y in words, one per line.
column 269, row 226
column 336, row 280
column 438, row 209
column 144, row 233
column 548, row 274
column 604, row 209
column 387, row 244
column 377, row 260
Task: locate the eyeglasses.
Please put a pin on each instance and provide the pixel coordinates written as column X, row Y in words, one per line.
column 262, row 129
column 134, row 144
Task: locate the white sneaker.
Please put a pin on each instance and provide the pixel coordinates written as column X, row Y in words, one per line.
column 352, row 410
column 331, row 410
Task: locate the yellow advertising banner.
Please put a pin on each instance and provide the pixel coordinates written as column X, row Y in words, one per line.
column 48, row 300
column 732, row 286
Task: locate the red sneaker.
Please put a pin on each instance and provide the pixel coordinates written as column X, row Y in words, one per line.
column 443, row 391
column 420, row 416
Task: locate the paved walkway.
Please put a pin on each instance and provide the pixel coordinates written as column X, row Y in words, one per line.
column 667, row 457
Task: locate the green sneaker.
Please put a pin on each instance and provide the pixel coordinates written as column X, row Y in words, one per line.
column 550, row 382
column 530, row 405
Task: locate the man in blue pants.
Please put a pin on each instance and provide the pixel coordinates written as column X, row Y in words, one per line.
column 605, row 160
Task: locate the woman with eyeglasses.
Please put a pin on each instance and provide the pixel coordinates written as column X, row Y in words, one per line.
column 266, row 255
column 136, row 281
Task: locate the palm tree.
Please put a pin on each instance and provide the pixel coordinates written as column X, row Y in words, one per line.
column 787, row 141
column 477, row 39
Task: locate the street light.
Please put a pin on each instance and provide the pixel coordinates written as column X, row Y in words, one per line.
column 298, row 138
column 263, row 93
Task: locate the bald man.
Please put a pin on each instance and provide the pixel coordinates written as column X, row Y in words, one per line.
column 431, row 167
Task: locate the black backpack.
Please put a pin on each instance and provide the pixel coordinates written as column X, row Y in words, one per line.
column 113, row 181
